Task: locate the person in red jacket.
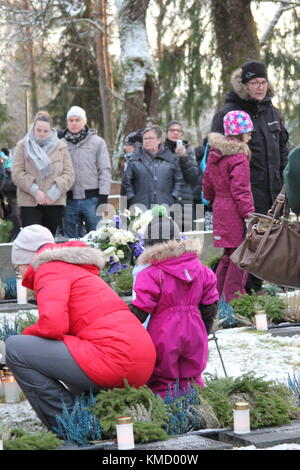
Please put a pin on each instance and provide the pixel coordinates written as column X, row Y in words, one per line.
column 85, row 338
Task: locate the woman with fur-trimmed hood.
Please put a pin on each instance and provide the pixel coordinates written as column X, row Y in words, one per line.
column 179, row 293
column 226, row 184
column 252, row 92
column 85, row 337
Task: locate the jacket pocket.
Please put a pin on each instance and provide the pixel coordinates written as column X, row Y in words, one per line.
column 274, row 128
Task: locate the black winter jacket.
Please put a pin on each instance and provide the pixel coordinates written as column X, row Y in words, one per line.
column 189, row 168
column 268, row 144
column 152, row 180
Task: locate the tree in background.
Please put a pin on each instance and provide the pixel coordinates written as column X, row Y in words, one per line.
column 140, row 94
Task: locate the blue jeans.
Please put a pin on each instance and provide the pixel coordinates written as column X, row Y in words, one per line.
column 78, row 211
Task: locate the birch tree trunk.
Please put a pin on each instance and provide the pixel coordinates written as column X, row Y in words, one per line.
column 106, row 84
column 236, row 35
column 29, row 48
column 140, row 104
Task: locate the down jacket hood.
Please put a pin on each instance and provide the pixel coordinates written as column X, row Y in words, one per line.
column 74, row 252
column 175, row 258
column 241, row 90
column 226, row 146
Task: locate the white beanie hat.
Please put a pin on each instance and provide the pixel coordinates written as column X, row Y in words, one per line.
column 28, row 241
column 77, row 111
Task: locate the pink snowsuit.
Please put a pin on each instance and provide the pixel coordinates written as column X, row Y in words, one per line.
column 171, row 289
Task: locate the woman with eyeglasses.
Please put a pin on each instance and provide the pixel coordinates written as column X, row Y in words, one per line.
column 252, row 92
column 43, row 172
column 153, row 175
column 181, row 149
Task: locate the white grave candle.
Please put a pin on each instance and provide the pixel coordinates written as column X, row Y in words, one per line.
column 21, row 291
column 261, row 321
column 1, row 388
column 125, row 436
column 12, row 390
column 241, row 418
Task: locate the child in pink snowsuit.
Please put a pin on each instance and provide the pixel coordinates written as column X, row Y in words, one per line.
column 180, row 294
column 226, row 183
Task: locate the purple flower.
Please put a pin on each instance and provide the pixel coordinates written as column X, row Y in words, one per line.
column 115, row 267
column 117, row 221
column 137, row 248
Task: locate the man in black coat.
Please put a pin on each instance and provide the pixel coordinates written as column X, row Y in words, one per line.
column 252, row 92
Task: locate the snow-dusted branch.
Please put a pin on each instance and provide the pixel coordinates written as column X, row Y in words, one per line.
column 284, row 6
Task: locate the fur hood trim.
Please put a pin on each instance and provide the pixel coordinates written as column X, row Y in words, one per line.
column 227, row 146
column 171, row 249
column 73, row 255
column 240, row 88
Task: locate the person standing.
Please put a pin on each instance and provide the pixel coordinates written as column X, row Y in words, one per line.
column 188, row 165
column 252, row 92
column 226, row 184
column 153, row 175
column 43, row 173
column 92, row 168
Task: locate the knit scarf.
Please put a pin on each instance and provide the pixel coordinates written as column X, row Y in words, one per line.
column 75, row 138
column 37, row 151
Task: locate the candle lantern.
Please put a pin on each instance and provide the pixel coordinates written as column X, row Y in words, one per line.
column 21, row 291
column 241, row 418
column 11, row 389
column 2, row 352
column 125, row 436
column 1, row 385
column 261, row 320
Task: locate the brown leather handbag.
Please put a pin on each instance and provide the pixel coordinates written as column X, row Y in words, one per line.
column 271, row 249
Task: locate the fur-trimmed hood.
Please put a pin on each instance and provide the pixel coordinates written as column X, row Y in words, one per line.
column 240, row 88
column 226, row 146
column 69, row 254
column 171, row 249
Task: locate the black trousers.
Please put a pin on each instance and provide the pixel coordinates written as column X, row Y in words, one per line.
column 47, row 216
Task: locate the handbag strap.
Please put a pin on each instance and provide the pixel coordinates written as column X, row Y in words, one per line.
column 280, row 206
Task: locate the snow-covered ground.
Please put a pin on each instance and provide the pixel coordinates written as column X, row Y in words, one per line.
column 246, row 349
column 242, row 349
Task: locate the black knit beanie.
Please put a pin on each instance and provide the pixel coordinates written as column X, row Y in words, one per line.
column 161, row 228
column 253, row 69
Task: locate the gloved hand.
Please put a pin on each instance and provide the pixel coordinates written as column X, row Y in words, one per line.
column 247, row 223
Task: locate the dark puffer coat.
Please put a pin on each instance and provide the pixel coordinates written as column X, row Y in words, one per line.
column 152, row 180
column 191, row 176
column 268, row 145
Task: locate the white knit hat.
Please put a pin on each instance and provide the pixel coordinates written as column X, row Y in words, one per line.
column 77, row 111
column 28, row 241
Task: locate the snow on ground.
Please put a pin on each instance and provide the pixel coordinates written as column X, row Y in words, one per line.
column 244, row 350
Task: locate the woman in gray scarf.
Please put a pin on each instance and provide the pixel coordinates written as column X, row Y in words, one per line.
column 43, row 172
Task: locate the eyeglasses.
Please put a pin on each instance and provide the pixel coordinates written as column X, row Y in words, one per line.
column 149, row 138
column 17, row 269
column 257, row 83
column 180, row 131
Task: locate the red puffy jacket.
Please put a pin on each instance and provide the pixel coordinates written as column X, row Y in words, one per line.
column 77, row 307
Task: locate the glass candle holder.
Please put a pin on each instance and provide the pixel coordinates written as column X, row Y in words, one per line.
column 11, row 388
column 21, row 291
column 2, row 352
column 241, row 418
column 125, row 437
column 1, row 388
column 261, row 320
